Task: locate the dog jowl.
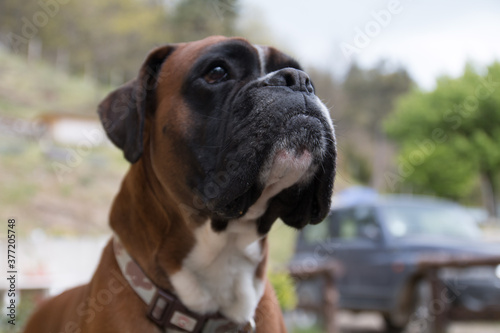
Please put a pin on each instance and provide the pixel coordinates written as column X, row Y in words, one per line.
column 224, row 137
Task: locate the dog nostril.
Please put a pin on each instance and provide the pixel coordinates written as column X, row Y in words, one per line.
column 290, row 80
column 308, row 85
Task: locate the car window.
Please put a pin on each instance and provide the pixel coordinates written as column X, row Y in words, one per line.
column 345, row 224
column 355, row 223
column 317, row 233
column 430, row 220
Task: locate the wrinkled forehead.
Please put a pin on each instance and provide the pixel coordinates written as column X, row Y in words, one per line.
column 188, row 55
column 272, row 60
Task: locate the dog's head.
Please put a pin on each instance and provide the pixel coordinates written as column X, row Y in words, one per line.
column 225, row 123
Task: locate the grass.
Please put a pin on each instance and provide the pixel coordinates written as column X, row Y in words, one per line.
column 28, row 89
column 32, row 192
column 30, row 189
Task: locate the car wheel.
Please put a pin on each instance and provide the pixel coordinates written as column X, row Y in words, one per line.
column 422, row 319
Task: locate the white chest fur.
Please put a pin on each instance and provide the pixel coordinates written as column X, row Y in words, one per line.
column 219, row 272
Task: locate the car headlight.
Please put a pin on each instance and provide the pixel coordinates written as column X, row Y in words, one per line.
column 497, row 271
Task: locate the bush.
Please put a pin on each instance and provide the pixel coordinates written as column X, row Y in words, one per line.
column 285, row 289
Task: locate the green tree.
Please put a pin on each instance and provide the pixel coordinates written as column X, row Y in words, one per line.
column 450, row 137
column 100, row 38
column 109, row 39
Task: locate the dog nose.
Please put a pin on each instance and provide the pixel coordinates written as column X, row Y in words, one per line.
column 292, row 78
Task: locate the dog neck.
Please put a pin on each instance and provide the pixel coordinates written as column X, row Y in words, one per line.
column 164, row 308
column 152, row 230
column 209, row 271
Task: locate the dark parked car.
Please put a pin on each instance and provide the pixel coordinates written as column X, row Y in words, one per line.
column 379, row 239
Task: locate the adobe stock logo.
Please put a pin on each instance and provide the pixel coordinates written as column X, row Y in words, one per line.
column 364, row 36
column 31, row 26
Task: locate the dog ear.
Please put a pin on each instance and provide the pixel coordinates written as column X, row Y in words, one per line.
column 123, row 111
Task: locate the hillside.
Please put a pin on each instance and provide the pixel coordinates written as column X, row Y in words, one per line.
column 28, row 89
column 32, row 190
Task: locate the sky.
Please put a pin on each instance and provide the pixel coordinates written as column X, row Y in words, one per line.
column 429, row 38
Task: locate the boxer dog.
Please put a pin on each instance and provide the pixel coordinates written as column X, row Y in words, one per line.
column 224, row 137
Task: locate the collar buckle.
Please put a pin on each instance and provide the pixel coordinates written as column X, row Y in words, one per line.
column 166, row 311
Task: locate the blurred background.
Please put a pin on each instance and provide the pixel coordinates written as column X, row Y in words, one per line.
column 413, row 88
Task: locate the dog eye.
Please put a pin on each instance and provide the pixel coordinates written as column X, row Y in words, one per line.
column 215, row 75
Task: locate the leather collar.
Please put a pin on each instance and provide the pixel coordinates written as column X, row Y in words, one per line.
column 165, row 309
